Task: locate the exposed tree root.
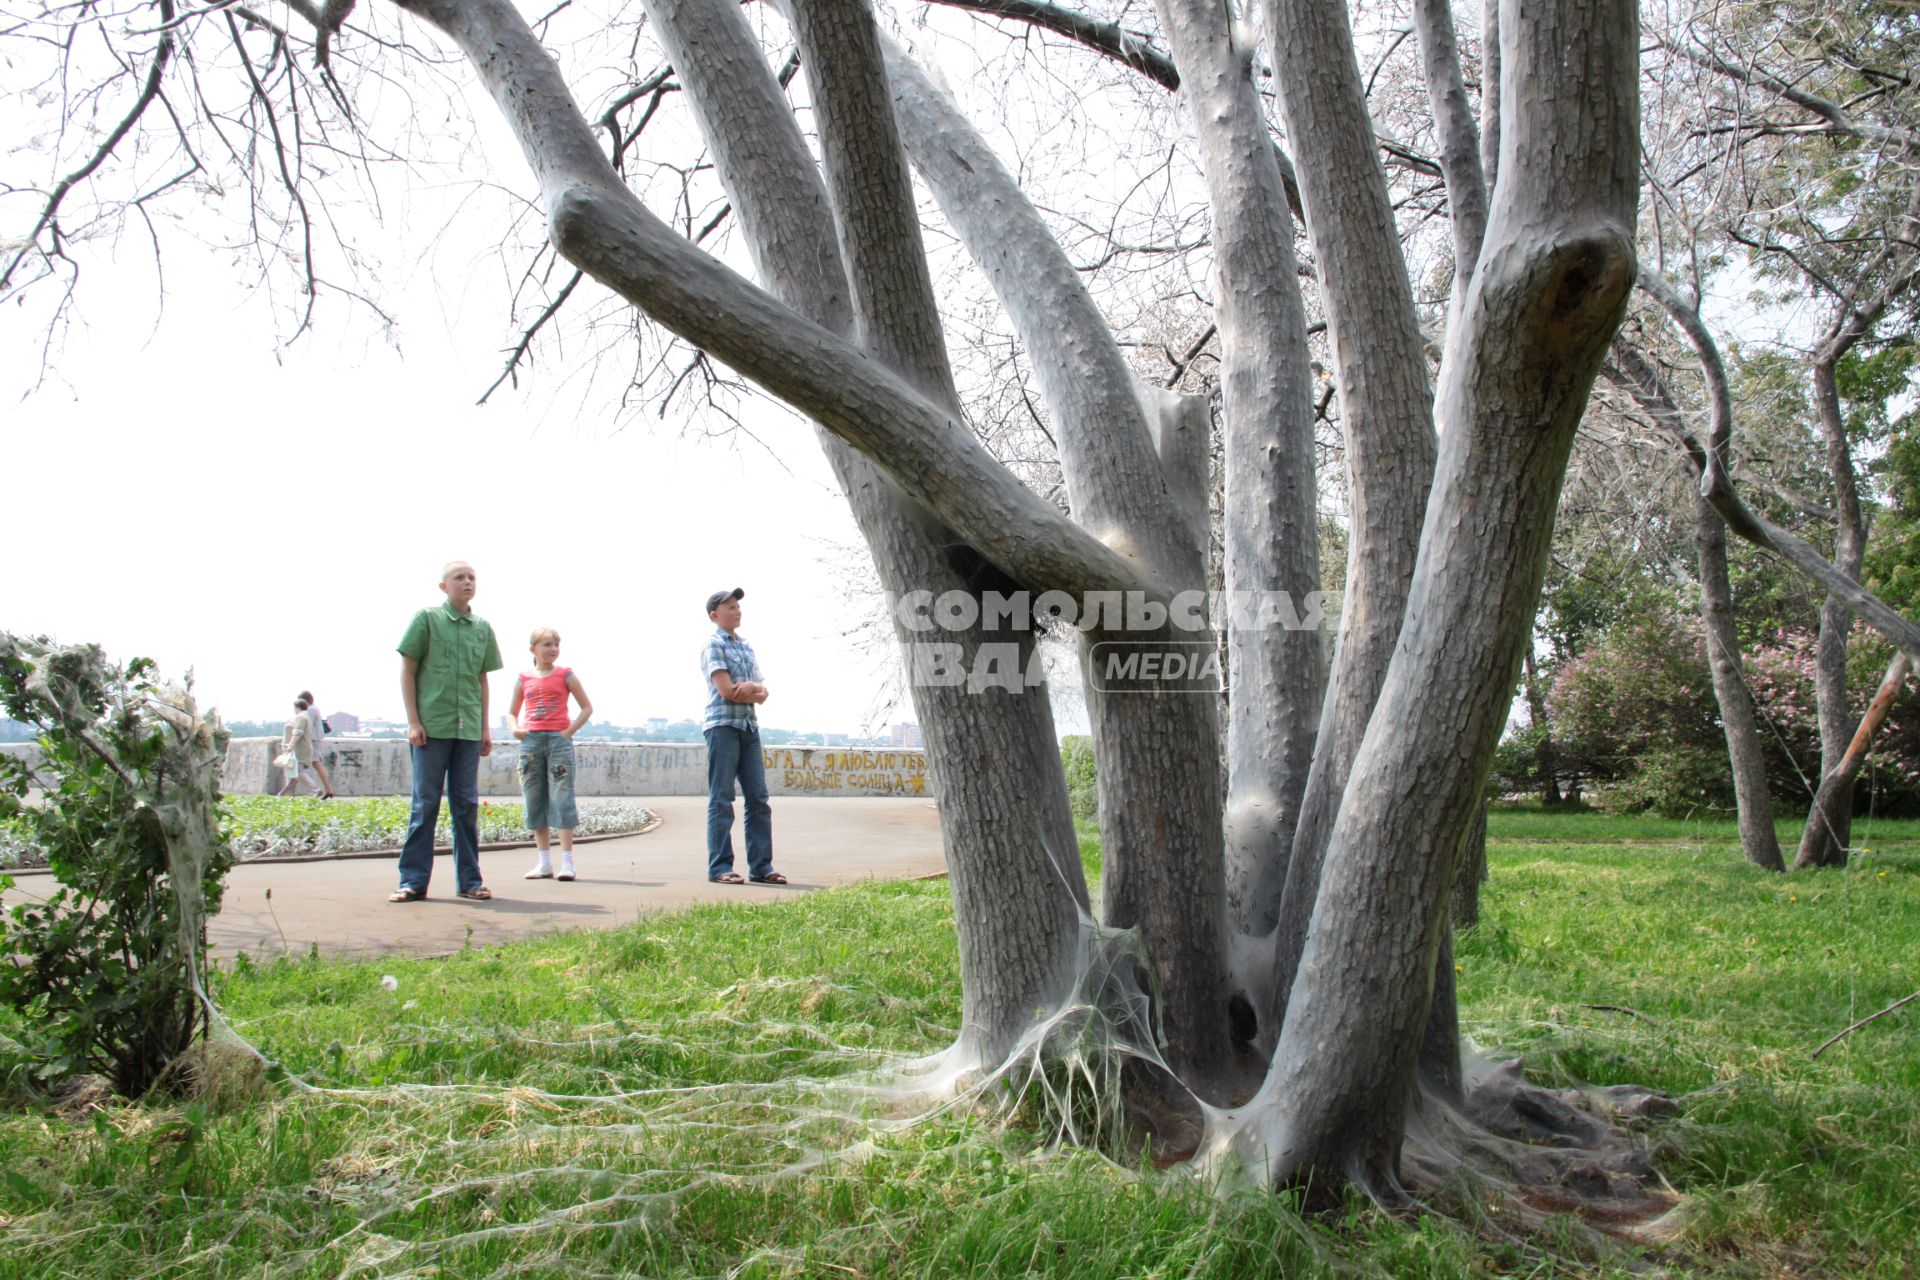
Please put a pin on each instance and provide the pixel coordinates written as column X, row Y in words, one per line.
column 1537, row 1152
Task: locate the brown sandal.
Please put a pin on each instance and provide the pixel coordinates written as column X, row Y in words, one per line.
column 404, row 894
column 732, row 877
column 772, row 877
column 479, row 893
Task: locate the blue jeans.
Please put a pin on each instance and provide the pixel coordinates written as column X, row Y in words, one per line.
column 546, row 780
column 452, row 765
column 735, row 753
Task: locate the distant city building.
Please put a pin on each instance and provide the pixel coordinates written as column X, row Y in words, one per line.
column 905, row 735
column 836, row 739
column 657, row 724
column 344, row 722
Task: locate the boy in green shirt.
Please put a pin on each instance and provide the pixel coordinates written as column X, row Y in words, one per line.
column 445, row 656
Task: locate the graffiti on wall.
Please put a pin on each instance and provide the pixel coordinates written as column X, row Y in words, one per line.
column 893, row 773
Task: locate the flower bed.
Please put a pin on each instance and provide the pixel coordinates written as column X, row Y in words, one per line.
column 277, row 827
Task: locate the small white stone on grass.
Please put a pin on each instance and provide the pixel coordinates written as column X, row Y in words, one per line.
column 390, row 982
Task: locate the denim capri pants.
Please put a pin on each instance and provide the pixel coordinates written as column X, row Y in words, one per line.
column 546, row 780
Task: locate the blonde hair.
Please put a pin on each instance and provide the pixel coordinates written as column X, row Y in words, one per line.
column 542, row 633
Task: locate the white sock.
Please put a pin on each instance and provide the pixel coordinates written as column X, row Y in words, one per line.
column 566, row 863
column 542, row 868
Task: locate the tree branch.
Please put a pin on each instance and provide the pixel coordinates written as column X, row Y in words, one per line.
column 1717, row 486
column 600, row 225
column 149, row 90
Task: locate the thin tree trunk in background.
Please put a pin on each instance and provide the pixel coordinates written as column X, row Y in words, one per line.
column 1439, row 1064
column 1472, row 873
column 1812, row 847
column 1737, row 716
column 1547, row 755
column 1160, row 783
column 1830, row 821
column 1386, row 411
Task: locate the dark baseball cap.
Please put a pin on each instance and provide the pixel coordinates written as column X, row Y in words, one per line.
column 719, row 598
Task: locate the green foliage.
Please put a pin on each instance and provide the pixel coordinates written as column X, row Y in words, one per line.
column 102, row 971
column 1520, row 762
column 1880, row 380
column 1634, row 713
column 621, row 1107
column 1635, row 716
column 1076, row 757
column 279, row 826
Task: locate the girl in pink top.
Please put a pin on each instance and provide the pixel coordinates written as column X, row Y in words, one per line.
column 540, row 721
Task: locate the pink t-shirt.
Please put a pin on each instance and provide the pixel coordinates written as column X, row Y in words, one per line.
column 545, row 708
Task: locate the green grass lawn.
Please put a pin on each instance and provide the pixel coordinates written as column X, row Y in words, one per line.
column 661, row 1099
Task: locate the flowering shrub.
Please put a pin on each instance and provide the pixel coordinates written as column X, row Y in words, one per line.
column 1780, row 673
column 1636, row 716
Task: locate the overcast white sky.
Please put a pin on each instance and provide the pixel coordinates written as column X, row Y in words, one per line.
column 179, row 492
column 187, row 488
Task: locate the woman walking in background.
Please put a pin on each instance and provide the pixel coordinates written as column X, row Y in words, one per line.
column 320, row 731
column 296, row 749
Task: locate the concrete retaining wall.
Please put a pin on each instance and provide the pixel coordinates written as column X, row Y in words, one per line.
column 384, row 767
column 27, row 751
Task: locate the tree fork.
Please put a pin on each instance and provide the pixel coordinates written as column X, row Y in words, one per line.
column 1551, row 287
column 1015, row 842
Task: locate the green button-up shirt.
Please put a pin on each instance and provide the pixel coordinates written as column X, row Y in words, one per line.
column 455, row 651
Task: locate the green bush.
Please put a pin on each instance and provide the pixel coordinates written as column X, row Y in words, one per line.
column 1635, row 714
column 104, row 972
column 1076, row 757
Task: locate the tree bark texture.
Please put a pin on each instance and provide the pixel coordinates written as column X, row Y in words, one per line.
column 1738, row 718
column 1159, row 778
column 1472, row 873
column 1019, row 892
column 1812, row 846
column 1386, row 411
column 1278, row 676
column 1459, row 139
column 1830, row 820
column 1552, row 285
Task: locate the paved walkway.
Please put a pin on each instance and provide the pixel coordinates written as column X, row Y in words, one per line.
column 340, row 904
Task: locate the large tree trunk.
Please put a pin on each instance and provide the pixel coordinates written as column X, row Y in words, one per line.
column 1159, row 779
column 1737, row 716
column 1552, row 285
column 1019, row 891
column 1386, row 412
column 1278, row 674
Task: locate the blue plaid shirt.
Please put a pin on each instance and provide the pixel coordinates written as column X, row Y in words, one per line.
column 734, row 656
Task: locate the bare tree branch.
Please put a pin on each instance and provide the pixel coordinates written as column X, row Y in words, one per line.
column 50, row 210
